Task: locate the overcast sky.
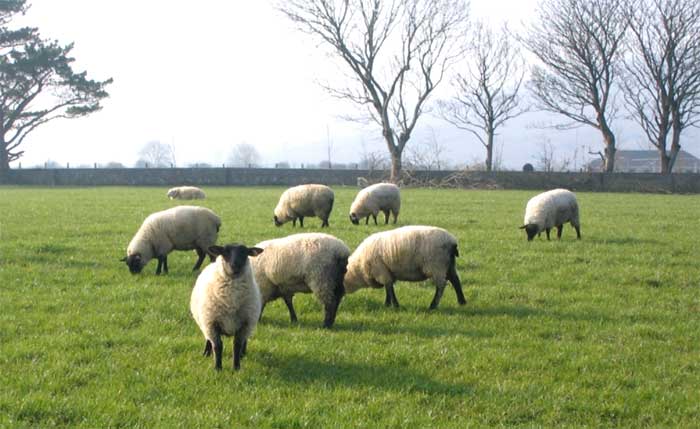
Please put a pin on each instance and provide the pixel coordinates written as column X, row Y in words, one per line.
column 207, row 75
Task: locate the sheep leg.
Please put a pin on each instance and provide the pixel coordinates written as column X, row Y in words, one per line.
column 325, row 222
column 244, row 349
column 367, row 220
column 301, row 221
column 578, row 231
column 262, row 308
column 162, row 265
column 200, row 258
column 391, row 296
column 547, row 231
column 237, row 348
column 331, row 311
column 559, row 229
column 207, row 348
column 456, row 284
column 439, row 289
column 396, row 215
column 386, row 217
column 218, row 350
column 374, row 216
column 290, row 306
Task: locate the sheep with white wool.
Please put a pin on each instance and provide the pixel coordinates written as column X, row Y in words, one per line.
column 307, row 263
column 177, row 228
column 186, row 193
column 410, row 253
column 302, row 201
column 384, row 197
column 226, row 301
column 551, row 209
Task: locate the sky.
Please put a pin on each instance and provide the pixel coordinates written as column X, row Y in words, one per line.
column 207, row 77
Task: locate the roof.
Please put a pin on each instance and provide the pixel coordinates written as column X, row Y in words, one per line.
column 643, row 155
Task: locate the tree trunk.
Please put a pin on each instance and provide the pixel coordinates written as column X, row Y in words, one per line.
column 675, row 145
column 610, row 149
column 665, row 161
column 4, row 158
column 489, row 150
column 395, row 166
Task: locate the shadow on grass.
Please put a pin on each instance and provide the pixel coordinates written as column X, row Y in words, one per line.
column 303, row 369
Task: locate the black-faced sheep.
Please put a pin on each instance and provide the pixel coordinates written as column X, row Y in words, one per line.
column 410, row 253
column 303, row 201
column 384, row 197
column 551, row 209
column 226, row 301
column 177, row 228
column 303, row 263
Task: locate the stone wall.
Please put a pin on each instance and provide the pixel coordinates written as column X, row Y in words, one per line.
column 617, row 182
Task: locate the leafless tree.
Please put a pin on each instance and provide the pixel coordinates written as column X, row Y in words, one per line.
column 429, row 154
column 156, row 154
column 662, row 85
column 396, row 53
column 487, row 93
column 579, row 46
column 244, row 155
column 372, row 160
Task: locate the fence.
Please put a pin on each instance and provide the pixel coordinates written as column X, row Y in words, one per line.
column 615, row 182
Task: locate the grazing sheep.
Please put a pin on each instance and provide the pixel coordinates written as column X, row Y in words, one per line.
column 305, row 263
column 304, row 200
column 410, row 253
column 186, row 193
column 384, row 197
column 178, row 228
column 551, row 209
column 226, row 301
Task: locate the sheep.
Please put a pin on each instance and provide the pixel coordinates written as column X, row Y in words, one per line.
column 186, row 193
column 551, row 209
column 371, row 200
column 304, row 200
column 409, row 253
column 226, row 301
column 177, row 228
column 311, row 262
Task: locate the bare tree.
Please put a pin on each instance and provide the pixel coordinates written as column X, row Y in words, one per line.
column 430, row 154
column 156, row 154
column 662, row 85
column 372, row 160
column 487, row 93
column 396, row 53
column 244, row 155
column 578, row 43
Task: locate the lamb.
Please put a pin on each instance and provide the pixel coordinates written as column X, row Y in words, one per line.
column 177, row 228
column 309, row 263
column 226, row 301
column 551, row 209
column 304, row 200
column 371, row 200
column 186, row 193
column 409, row 253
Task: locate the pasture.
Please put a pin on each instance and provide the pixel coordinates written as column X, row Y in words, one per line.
column 604, row 331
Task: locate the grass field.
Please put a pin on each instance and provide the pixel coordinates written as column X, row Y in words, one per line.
column 601, row 332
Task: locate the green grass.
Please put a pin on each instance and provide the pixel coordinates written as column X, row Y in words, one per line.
column 600, row 332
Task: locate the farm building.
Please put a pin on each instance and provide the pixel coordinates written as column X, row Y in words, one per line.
column 647, row 161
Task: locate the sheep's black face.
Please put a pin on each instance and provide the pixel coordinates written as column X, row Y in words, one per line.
column 277, row 221
column 354, row 219
column 235, row 255
column 531, row 231
column 135, row 263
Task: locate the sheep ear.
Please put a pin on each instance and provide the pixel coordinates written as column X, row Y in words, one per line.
column 254, row 251
column 216, row 250
column 522, row 227
column 123, row 259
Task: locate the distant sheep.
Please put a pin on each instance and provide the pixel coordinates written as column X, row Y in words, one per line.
column 410, row 253
column 178, row 228
column 551, row 209
column 305, row 263
column 186, row 193
column 384, row 197
column 226, row 301
column 302, row 201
